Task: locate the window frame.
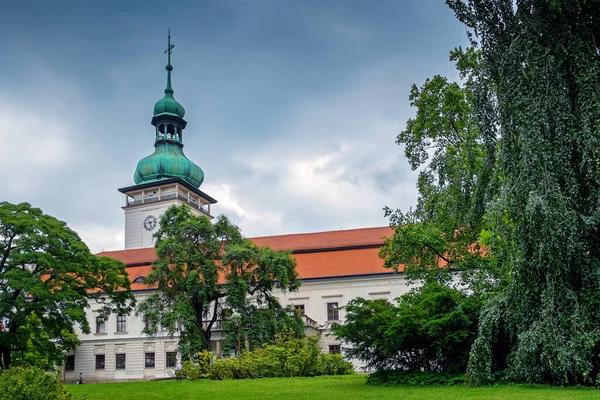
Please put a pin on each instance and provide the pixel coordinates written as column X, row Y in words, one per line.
column 335, row 349
column 98, row 357
column 333, row 312
column 171, row 356
column 122, row 323
column 100, row 326
column 147, row 358
column 117, row 357
column 70, row 363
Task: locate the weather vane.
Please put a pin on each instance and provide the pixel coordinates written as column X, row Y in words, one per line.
column 170, row 47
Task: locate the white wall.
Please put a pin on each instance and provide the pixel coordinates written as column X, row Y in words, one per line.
column 314, row 294
column 136, row 236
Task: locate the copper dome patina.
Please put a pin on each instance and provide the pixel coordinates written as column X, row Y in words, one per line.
column 168, row 105
column 168, row 161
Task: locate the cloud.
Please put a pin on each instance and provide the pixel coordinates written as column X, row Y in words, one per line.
column 34, row 146
column 334, row 165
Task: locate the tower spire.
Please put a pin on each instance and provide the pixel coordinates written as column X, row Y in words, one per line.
column 169, row 67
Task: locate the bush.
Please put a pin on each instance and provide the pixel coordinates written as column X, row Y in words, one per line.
column 334, row 364
column 289, row 356
column 197, row 368
column 31, row 383
column 432, row 328
column 415, row 378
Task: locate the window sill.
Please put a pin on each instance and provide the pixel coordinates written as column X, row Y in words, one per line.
column 121, row 333
column 100, row 333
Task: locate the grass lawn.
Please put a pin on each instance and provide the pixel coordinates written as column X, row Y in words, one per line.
column 326, row 388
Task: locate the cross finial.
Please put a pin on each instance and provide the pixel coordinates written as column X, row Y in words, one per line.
column 168, row 50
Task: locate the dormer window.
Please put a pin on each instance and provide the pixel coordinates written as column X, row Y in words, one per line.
column 139, row 279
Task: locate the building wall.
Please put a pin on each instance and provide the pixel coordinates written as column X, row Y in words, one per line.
column 313, row 294
column 136, row 236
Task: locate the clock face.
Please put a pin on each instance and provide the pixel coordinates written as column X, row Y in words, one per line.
column 150, row 222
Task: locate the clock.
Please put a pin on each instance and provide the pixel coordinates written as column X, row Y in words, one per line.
column 150, row 222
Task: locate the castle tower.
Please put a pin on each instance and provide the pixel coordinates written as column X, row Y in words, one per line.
column 165, row 177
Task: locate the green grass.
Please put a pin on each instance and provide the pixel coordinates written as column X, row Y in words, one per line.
column 325, row 388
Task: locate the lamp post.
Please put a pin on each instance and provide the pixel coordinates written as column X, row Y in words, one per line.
column 236, row 318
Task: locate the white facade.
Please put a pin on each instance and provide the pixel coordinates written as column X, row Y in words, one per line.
column 144, row 207
column 314, row 295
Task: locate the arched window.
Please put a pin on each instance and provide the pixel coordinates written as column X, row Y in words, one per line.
column 179, row 133
column 170, row 131
column 161, row 131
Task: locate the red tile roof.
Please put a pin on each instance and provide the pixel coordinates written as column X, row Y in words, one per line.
column 319, row 255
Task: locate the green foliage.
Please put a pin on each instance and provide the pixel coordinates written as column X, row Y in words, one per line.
column 288, row 357
column 202, row 268
column 261, row 325
column 196, row 368
column 47, row 277
column 541, row 71
column 31, row 383
column 431, row 329
column 457, row 180
column 334, row 364
column 415, row 378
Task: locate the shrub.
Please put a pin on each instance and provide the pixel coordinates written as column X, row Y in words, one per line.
column 415, row 378
column 432, row 328
column 334, row 364
column 289, row 356
column 31, row 383
column 197, row 368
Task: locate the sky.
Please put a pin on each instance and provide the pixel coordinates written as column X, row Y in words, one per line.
column 293, row 107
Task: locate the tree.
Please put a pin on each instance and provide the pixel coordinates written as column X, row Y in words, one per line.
column 47, row 278
column 202, row 268
column 431, row 329
column 541, row 66
column 457, row 181
column 261, row 325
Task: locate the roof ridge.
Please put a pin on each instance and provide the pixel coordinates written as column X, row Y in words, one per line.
column 312, row 233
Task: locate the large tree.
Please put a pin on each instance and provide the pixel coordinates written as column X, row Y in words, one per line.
column 47, row 279
column 457, row 181
column 203, row 268
column 541, row 66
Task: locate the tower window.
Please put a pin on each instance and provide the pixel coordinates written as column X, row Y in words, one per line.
column 170, row 131
column 161, row 130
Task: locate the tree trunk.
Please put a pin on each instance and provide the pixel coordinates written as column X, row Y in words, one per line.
column 5, row 357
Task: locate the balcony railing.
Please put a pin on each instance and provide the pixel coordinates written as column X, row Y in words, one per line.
column 310, row 323
column 168, row 196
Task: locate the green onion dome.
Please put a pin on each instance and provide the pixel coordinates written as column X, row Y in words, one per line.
column 168, row 161
column 168, row 106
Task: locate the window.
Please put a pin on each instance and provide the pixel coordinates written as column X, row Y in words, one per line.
column 149, row 360
column 139, row 279
column 100, row 327
column 100, row 358
column 171, row 359
column 148, row 324
column 121, row 323
column 333, row 313
column 120, row 361
column 226, row 313
column 70, row 364
column 334, row 349
column 299, row 307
